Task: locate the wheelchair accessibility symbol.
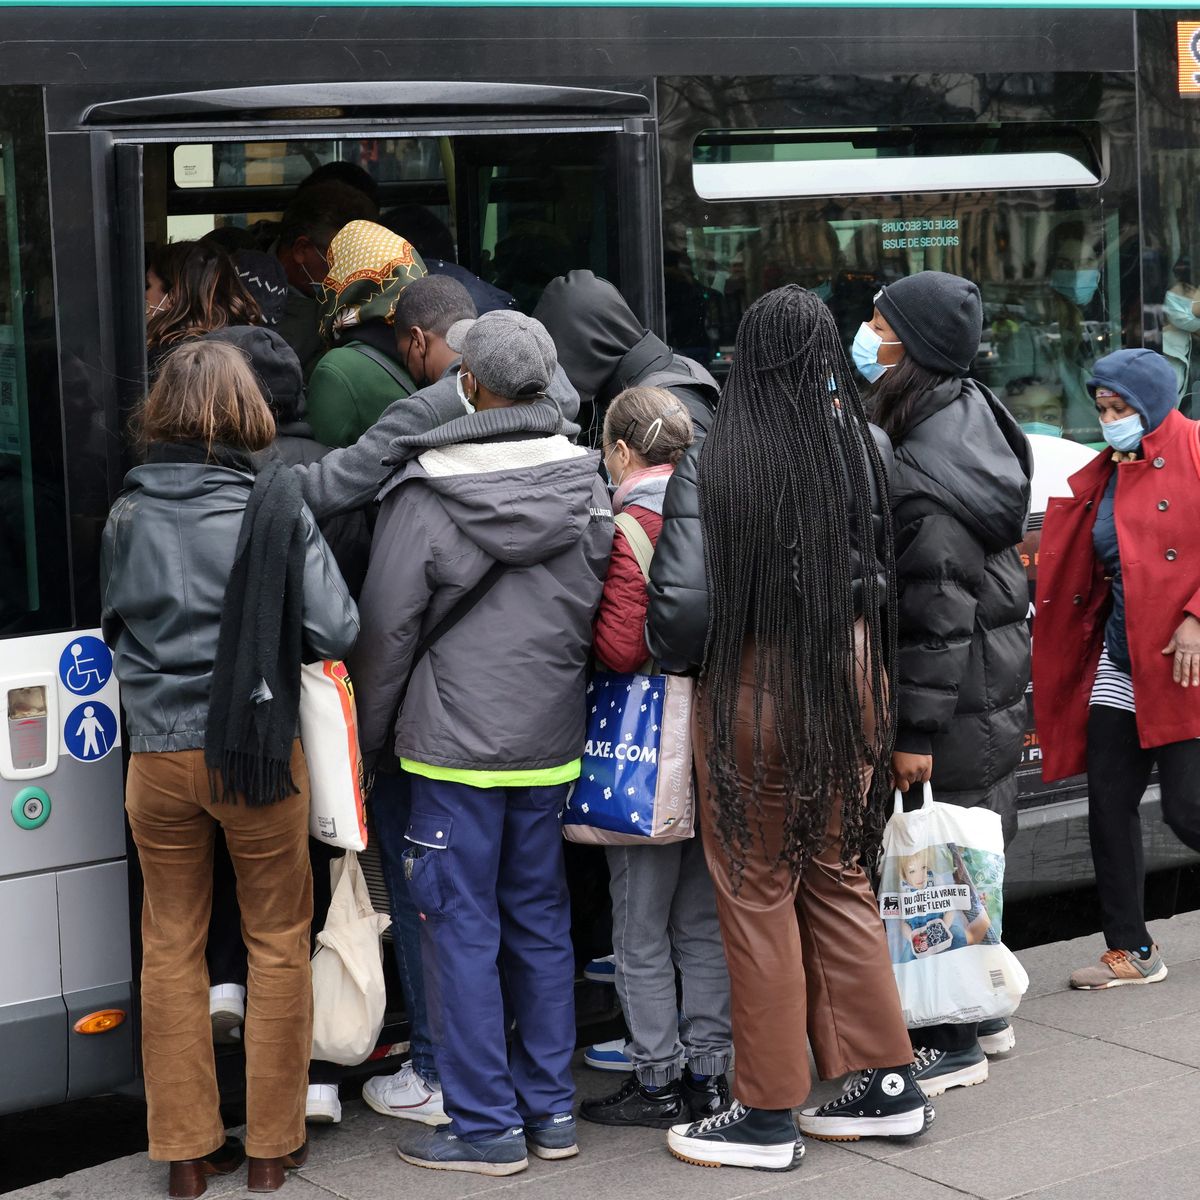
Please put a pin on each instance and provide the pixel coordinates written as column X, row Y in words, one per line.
column 90, row 732
column 85, row 665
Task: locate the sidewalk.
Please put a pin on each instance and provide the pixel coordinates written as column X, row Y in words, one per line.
column 1099, row 1082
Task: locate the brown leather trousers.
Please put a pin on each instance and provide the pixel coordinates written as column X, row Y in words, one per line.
column 806, row 956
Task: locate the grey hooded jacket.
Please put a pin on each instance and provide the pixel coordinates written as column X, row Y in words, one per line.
column 165, row 560
column 350, row 478
column 502, row 690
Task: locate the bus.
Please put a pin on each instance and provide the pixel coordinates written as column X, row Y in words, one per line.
column 697, row 156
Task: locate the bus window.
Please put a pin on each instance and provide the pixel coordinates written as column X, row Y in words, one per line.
column 1018, row 208
column 34, row 591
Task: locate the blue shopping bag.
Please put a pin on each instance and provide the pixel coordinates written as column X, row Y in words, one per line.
column 636, row 781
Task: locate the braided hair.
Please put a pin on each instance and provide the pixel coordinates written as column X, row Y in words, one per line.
column 783, row 473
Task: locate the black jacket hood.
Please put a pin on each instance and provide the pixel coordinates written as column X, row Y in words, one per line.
column 964, row 450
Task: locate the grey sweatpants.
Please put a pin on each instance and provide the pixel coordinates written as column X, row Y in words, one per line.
column 665, row 918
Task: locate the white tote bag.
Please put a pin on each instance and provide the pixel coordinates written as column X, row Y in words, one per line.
column 941, row 896
column 329, row 734
column 347, row 970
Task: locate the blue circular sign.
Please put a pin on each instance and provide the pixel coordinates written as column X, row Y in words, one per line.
column 85, row 665
column 91, row 731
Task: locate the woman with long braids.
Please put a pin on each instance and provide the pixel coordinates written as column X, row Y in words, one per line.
column 773, row 576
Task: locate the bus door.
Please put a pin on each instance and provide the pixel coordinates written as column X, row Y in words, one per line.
column 64, row 924
column 524, row 182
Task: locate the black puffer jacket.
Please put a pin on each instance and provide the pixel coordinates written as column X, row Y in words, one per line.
column 604, row 349
column 677, row 621
column 960, row 498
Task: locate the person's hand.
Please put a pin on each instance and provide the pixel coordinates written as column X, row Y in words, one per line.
column 1185, row 646
column 908, row 769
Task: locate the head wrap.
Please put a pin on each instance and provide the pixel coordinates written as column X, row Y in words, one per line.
column 369, row 266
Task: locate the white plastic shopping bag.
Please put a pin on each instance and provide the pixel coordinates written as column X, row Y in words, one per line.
column 329, row 733
column 347, row 970
column 941, row 896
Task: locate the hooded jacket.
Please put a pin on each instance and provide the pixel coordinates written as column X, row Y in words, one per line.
column 1155, row 504
column 499, row 698
column 351, row 477
column 165, row 561
column 960, row 500
column 604, row 348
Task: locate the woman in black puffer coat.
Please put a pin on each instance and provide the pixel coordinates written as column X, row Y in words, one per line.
column 960, row 498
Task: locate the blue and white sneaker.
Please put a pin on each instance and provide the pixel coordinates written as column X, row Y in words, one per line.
column 552, row 1137
column 602, row 970
column 607, row 1056
column 441, row 1150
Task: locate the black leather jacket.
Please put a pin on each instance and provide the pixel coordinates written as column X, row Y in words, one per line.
column 167, row 552
column 677, row 620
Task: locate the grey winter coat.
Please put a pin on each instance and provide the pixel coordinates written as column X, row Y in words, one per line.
column 504, row 688
column 349, row 478
column 165, row 561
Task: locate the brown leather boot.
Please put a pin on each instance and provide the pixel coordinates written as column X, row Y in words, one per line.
column 267, row 1174
column 188, row 1178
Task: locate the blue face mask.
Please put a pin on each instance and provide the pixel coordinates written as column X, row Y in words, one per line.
column 1124, row 435
column 865, row 352
column 1042, row 427
column 823, row 290
column 1077, row 286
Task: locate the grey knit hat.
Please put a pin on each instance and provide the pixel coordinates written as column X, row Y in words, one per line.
column 509, row 353
column 938, row 317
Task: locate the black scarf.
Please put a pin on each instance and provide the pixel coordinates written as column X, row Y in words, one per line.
column 255, row 698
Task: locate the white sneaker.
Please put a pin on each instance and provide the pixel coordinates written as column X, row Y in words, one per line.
column 405, row 1095
column 322, row 1106
column 227, row 1011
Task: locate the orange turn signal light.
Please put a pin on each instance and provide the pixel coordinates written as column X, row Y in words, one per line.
column 100, row 1022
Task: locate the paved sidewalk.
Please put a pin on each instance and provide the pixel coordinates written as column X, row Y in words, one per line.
column 1099, row 1082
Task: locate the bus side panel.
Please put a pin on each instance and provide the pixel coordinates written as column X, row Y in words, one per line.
column 33, row 1028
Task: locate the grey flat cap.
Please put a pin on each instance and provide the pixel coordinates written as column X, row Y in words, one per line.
column 509, row 353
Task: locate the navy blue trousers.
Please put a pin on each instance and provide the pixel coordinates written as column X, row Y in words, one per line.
column 485, row 869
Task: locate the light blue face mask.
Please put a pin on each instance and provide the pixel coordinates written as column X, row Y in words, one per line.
column 1077, row 286
column 865, row 352
column 1179, row 312
column 823, row 290
column 1124, row 435
column 1042, row 427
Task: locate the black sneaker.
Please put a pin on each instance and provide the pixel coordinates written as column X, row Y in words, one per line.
column 996, row 1037
column 762, row 1138
column 939, row 1070
column 632, row 1104
column 880, row 1102
column 704, row 1099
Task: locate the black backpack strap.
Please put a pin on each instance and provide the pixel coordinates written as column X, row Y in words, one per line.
column 393, row 368
column 459, row 609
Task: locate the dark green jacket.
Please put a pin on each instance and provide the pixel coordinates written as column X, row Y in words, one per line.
column 348, row 392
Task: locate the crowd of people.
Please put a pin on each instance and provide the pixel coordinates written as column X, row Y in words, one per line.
column 345, row 453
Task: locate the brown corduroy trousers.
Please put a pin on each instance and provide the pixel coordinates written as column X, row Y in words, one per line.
column 173, row 819
column 807, row 956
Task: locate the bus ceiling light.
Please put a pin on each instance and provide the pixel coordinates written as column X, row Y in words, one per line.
column 888, row 176
column 100, row 1022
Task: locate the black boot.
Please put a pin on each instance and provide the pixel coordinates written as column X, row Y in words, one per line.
column 704, row 1099
column 632, row 1104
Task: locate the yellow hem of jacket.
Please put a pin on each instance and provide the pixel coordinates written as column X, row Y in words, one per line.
column 539, row 777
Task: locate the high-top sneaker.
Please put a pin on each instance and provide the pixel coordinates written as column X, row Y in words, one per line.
column 762, row 1138
column 996, row 1037
column 880, row 1102
column 939, row 1070
column 704, row 1097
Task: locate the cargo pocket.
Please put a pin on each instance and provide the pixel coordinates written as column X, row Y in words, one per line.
column 427, row 869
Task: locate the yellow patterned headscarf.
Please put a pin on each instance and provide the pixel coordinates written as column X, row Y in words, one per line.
column 369, row 266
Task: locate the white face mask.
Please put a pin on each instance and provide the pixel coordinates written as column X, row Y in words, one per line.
column 462, row 393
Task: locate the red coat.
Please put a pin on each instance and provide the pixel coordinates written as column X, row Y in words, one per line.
column 619, row 634
column 1157, row 509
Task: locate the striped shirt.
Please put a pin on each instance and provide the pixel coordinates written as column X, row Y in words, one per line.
column 1113, row 688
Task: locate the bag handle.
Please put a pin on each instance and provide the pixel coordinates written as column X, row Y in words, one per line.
column 638, row 539
column 926, row 799
column 398, row 374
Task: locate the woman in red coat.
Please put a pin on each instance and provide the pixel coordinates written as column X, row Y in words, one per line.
column 664, row 907
column 1116, row 651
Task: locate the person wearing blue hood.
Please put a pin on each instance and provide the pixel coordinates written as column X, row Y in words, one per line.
column 960, row 499
column 1117, row 653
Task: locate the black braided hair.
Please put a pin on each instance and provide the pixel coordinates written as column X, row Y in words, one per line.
column 783, row 473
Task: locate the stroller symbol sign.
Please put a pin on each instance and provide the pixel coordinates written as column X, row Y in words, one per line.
column 90, row 732
column 85, row 665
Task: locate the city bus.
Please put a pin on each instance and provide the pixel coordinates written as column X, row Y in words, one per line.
column 697, row 156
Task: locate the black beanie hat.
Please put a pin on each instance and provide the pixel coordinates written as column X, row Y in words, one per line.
column 276, row 365
column 938, row 317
